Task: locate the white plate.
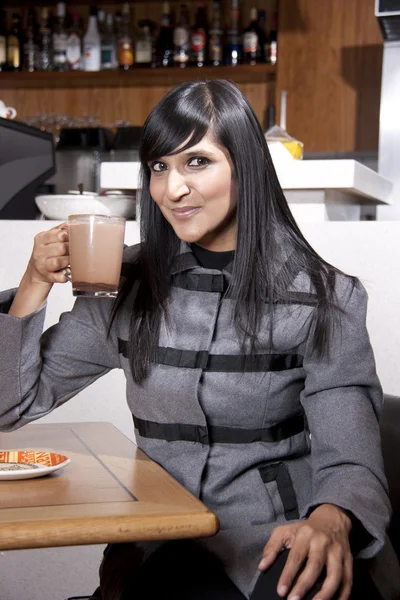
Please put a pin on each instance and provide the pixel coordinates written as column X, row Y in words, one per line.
column 28, row 464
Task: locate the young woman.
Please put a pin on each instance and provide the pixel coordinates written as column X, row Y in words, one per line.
column 250, row 375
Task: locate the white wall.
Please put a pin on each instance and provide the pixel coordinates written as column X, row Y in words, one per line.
column 370, row 250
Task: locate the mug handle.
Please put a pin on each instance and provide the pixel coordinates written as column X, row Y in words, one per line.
column 11, row 112
column 67, row 273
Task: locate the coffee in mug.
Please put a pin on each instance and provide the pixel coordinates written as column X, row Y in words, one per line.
column 96, row 244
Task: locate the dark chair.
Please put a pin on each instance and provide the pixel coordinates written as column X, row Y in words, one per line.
column 390, row 432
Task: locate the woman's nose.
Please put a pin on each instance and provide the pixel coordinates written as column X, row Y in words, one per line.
column 176, row 186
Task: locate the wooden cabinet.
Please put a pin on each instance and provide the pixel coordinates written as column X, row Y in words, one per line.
column 329, row 61
column 111, row 96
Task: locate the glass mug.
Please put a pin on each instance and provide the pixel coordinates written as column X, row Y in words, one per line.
column 96, row 244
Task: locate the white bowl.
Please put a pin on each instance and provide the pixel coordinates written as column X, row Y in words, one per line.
column 59, row 206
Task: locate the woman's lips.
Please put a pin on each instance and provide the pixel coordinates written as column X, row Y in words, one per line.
column 185, row 212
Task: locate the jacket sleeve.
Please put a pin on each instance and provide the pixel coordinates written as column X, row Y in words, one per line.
column 342, row 399
column 42, row 371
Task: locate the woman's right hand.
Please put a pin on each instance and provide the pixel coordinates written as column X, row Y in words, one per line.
column 50, row 256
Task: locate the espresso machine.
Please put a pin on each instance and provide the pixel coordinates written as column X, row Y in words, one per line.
column 27, row 160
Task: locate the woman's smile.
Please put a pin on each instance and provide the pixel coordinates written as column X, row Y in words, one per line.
column 185, row 212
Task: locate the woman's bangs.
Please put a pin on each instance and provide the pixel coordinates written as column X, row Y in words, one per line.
column 163, row 137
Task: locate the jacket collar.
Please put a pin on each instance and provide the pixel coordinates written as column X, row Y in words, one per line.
column 185, row 260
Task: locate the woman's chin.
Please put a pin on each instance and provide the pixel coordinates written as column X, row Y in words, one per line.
column 190, row 237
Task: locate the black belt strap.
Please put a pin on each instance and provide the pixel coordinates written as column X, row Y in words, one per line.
column 208, row 282
column 227, row 363
column 173, row 432
column 301, row 298
column 280, row 473
column 220, row 363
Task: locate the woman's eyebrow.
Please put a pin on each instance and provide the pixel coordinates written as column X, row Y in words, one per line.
column 187, row 154
column 198, row 152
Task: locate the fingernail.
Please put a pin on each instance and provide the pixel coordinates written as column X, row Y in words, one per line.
column 263, row 564
column 294, row 598
column 283, row 590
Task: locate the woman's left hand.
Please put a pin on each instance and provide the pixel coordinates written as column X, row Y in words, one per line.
column 322, row 540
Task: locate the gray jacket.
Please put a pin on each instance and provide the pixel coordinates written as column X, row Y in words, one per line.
column 260, row 441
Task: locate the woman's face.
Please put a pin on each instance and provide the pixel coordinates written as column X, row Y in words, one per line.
column 196, row 193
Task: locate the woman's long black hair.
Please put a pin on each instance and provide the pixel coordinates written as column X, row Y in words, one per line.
column 270, row 247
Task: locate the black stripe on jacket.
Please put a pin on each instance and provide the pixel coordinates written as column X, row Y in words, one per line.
column 173, row 432
column 220, row 363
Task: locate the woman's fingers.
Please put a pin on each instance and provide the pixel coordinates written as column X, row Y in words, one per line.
column 320, row 554
column 62, row 227
column 280, row 538
column 60, row 232
column 295, row 560
column 309, row 576
column 347, row 578
column 50, row 255
column 335, row 577
column 57, row 263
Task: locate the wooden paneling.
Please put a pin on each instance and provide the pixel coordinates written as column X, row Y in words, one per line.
column 330, row 57
column 121, row 101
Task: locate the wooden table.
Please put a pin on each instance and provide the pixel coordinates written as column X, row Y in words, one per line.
column 110, row 492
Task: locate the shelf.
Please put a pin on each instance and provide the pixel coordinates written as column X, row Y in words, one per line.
column 17, row 3
column 138, row 77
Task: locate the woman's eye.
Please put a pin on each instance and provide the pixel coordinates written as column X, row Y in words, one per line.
column 199, row 161
column 158, row 166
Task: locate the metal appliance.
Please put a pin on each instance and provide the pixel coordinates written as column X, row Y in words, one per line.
column 388, row 15
column 27, row 160
column 79, row 154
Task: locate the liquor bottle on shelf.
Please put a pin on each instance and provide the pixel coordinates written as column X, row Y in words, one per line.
column 233, row 43
column 109, row 45
column 101, row 20
column 60, row 39
column 125, row 41
column 272, row 43
column 215, row 45
column 144, row 45
column 31, row 62
column 199, row 51
column 182, row 38
column 3, row 39
column 118, row 24
column 262, row 26
column 74, row 45
column 165, row 39
column 45, row 43
column 92, row 44
column 15, row 43
column 253, row 41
